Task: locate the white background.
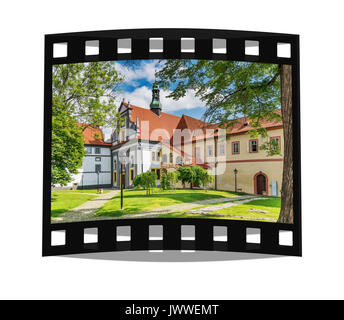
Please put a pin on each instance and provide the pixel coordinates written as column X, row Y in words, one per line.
column 25, row 274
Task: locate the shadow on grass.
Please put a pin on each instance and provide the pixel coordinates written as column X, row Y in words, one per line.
column 136, row 197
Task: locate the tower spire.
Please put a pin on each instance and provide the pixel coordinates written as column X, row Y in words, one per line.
column 155, row 105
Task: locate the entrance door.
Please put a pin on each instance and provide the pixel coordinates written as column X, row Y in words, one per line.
column 261, row 184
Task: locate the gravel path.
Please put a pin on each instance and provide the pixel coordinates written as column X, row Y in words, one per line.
column 87, row 210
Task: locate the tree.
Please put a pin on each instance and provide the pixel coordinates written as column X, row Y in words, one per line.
column 88, row 91
column 231, row 89
column 165, row 182
column 186, row 175
column 137, row 182
column 194, row 175
column 168, row 180
column 205, row 178
column 67, row 148
column 146, row 180
column 173, row 177
column 82, row 93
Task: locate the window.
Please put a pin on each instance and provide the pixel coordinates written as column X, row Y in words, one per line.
column 253, row 145
column 209, row 151
column 222, row 149
column 131, row 174
column 115, row 177
column 98, row 168
column 89, row 150
column 164, row 158
column 115, row 163
column 179, row 160
column 158, row 155
column 275, row 143
column 198, row 153
column 97, row 150
column 98, row 159
column 153, row 155
column 235, row 147
column 157, row 171
column 171, row 157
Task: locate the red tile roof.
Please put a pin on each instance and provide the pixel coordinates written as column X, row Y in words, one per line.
column 165, row 121
column 93, row 135
column 242, row 124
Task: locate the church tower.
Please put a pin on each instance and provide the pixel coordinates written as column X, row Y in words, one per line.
column 155, row 105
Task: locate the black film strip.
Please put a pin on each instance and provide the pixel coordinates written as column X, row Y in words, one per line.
column 200, row 44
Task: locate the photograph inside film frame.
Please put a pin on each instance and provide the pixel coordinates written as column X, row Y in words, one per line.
column 207, row 139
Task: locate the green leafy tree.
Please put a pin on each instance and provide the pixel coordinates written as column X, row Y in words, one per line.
column 146, row 180
column 67, row 148
column 168, row 180
column 82, row 93
column 165, row 182
column 173, row 177
column 137, row 182
column 232, row 89
column 205, row 177
column 186, row 175
column 194, row 175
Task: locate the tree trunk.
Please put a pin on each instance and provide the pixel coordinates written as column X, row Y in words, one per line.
column 287, row 214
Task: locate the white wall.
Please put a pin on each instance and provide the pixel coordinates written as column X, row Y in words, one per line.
column 89, row 163
column 25, row 274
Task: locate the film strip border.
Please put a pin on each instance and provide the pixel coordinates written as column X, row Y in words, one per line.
column 171, row 234
column 172, row 44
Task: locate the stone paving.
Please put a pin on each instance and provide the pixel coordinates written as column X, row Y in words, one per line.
column 87, row 210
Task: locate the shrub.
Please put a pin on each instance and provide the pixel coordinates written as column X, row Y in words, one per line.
column 168, row 180
column 165, row 182
column 194, row 175
column 146, row 180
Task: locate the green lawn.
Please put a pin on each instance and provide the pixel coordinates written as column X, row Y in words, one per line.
column 62, row 201
column 136, row 200
column 80, row 191
column 272, row 205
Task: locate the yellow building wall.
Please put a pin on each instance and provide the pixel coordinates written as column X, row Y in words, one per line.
column 244, row 148
column 249, row 164
column 246, row 173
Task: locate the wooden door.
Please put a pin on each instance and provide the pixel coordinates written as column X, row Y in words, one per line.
column 261, row 184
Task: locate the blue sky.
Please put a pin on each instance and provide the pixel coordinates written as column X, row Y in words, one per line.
column 137, row 87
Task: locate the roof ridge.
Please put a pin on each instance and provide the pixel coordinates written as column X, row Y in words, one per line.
column 169, row 114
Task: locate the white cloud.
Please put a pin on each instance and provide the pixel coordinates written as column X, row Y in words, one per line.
column 145, row 70
column 142, row 97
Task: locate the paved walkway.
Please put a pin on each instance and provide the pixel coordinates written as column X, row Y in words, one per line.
column 87, row 210
column 180, row 207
